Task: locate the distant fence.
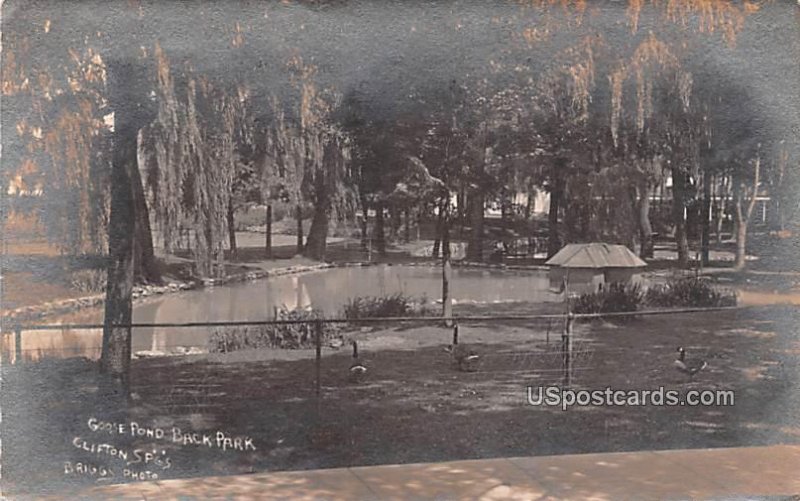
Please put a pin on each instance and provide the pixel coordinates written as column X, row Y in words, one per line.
column 566, row 320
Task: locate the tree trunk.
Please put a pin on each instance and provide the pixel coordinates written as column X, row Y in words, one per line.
column 585, row 218
column 775, row 218
column 407, row 215
column 647, row 249
column 530, row 202
column 556, row 193
column 679, row 215
column 298, row 214
column 476, row 215
column 632, row 230
column 231, row 229
column 529, row 223
column 130, row 114
column 705, row 216
column 461, row 209
column 569, row 223
column 438, row 237
column 447, row 302
column 268, row 232
column 741, row 242
column 394, row 214
column 116, row 351
column 722, row 202
column 146, row 269
column 364, row 223
column 380, row 230
column 317, row 234
column 740, row 224
column 743, row 214
column 446, row 237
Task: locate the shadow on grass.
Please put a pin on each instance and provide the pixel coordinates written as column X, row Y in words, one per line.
column 414, row 407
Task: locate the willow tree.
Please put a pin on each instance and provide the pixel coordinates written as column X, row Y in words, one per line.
column 563, row 98
column 746, row 180
column 327, row 186
column 194, row 140
column 56, row 92
column 782, row 185
column 726, row 17
column 633, row 82
column 283, row 165
column 310, row 158
column 60, row 145
column 500, row 140
column 653, row 76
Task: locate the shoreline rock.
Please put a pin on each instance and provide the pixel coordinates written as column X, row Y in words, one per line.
column 143, row 292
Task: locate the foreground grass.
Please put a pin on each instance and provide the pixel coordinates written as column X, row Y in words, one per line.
column 414, row 407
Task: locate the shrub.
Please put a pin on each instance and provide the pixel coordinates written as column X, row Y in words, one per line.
column 616, row 297
column 286, row 336
column 591, row 302
column 394, row 305
column 688, row 292
column 256, row 216
column 91, row 281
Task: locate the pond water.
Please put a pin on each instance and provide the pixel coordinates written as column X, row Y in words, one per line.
column 327, row 290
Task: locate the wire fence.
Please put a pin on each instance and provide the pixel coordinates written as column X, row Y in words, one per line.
column 567, row 360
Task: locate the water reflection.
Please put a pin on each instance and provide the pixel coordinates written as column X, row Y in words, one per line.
column 327, row 290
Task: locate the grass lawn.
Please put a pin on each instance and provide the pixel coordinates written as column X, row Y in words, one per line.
column 413, row 406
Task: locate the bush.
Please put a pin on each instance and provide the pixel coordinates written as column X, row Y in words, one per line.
column 394, row 305
column 92, row 281
column 616, row 297
column 286, row 336
column 256, row 216
column 688, row 292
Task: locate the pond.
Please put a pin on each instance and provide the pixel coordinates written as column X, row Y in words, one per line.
column 327, row 290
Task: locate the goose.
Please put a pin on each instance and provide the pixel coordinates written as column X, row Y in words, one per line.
column 357, row 368
column 464, row 356
column 690, row 366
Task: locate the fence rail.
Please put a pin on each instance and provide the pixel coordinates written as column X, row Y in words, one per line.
column 565, row 352
column 374, row 320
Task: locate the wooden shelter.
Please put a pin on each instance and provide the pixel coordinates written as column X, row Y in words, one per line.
column 587, row 266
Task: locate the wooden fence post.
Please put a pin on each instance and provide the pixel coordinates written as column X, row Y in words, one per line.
column 18, row 344
column 6, row 348
column 318, row 363
column 268, row 230
column 566, row 348
column 298, row 212
column 447, row 302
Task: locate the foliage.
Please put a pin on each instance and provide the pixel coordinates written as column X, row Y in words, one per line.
column 393, row 305
column 616, row 297
column 286, row 336
column 688, row 292
column 195, row 159
column 488, row 133
column 91, row 281
column 256, row 216
column 59, row 152
column 685, row 292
